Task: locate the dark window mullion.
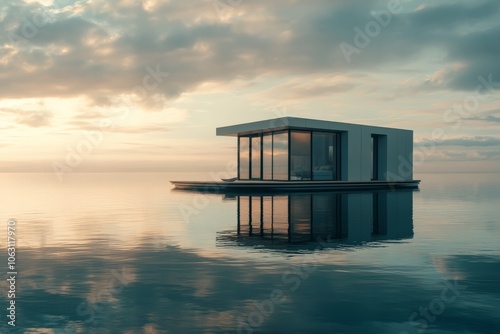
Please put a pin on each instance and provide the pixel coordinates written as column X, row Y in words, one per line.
column 250, row 176
column 338, row 156
column 311, row 155
column 272, row 155
column 239, row 155
column 261, row 157
column 289, row 153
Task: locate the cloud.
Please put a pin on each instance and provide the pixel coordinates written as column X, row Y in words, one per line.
column 465, row 155
column 308, row 88
column 454, row 14
column 100, row 51
column 30, row 118
column 492, row 116
column 34, row 119
column 476, row 141
column 88, row 114
column 88, row 125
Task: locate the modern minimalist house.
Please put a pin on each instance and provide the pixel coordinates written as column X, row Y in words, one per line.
column 298, row 153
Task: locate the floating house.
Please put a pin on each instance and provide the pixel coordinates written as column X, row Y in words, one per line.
column 291, row 153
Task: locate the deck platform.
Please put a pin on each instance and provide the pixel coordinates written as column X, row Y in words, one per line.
column 276, row 186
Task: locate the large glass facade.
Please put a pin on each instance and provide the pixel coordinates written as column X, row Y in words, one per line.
column 256, row 159
column 290, row 155
column 267, row 157
column 244, row 158
column 325, row 156
column 280, row 156
column 300, row 156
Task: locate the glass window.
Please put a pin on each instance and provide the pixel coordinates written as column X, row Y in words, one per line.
column 256, row 158
column 325, row 156
column 280, row 156
column 300, row 156
column 267, row 157
column 244, row 158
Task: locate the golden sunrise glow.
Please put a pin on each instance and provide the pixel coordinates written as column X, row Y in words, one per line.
column 162, row 75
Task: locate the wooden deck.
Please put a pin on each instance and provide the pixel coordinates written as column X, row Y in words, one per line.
column 276, row 186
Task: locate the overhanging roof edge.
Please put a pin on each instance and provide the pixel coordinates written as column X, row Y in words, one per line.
column 281, row 123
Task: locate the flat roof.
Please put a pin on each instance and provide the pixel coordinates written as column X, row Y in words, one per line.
column 283, row 123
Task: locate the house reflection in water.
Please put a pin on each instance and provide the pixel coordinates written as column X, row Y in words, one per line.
column 302, row 218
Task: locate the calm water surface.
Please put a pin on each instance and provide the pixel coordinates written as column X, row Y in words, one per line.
column 124, row 253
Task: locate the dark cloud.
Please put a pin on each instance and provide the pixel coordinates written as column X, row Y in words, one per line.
column 492, row 116
column 453, row 15
column 492, row 155
column 96, row 50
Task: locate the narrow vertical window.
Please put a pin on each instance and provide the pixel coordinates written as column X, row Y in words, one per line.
column 256, row 157
column 300, row 153
column 267, row 157
column 325, row 156
column 244, row 158
column 280, row 156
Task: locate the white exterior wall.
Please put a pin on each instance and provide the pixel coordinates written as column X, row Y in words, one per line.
column 397, row 156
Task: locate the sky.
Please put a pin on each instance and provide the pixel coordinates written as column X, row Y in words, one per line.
column 140, row 86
